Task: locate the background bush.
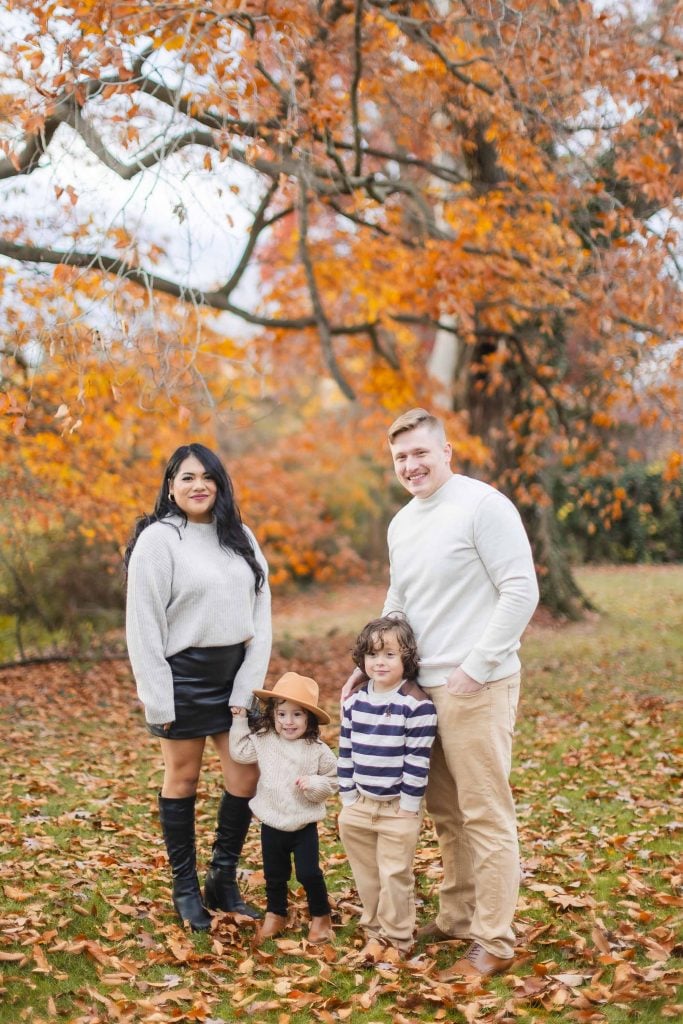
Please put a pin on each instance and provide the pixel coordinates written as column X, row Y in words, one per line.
column 634, row 515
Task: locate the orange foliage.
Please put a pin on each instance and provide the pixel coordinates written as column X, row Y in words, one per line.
column 503, row 178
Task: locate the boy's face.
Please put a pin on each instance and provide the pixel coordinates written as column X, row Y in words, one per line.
column 385, row 664
column 291, row 720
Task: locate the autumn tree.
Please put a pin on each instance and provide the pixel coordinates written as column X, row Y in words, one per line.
column 75, row 477
column 463, row 204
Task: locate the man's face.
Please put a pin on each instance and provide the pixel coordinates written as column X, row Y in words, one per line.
column 422, row 461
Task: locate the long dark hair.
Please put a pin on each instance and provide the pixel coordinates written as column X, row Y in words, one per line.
column 231, row 533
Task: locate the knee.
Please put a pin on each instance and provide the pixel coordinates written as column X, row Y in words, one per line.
column 179, row 785
column 307, row 876
column 241, row 780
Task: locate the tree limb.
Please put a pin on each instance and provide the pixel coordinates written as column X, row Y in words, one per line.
column 355, row 84
column 320, row 317
column 135, row 275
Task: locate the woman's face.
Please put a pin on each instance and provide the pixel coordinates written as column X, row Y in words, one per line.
column 193, row 490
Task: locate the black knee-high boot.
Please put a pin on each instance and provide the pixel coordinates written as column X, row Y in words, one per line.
column 177, row 824
column 221, row 891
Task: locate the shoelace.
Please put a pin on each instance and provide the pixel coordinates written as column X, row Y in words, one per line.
column 473, row 952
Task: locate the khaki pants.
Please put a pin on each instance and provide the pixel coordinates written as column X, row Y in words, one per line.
column 381, row 846
column 470, row 802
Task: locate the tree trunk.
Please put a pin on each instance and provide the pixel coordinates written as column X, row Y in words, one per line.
column 560, row 593
column 489, row 415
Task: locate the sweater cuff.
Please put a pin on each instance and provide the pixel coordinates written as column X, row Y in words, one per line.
column 478, row 667
column 318, row 790
column 159, row 716
column 240, row 724
column 348, row 796
column 409, row 803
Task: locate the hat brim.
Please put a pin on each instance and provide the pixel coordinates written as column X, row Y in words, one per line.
column 321, row 715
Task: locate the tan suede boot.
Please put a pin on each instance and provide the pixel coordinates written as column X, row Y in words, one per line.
column 273, row 924
column 320, row 929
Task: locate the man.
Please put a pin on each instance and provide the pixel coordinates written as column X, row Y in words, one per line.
column 462, row 572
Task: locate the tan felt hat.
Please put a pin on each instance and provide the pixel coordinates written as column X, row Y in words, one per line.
column 300, row 689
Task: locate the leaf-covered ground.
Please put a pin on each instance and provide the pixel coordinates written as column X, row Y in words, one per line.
column 87, row 935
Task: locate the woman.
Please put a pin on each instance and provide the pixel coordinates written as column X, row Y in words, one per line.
column 199, row 634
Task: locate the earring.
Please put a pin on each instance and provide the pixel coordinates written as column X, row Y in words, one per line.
column 171, row 498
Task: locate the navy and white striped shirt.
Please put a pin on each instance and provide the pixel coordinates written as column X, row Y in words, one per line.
column 385, row 742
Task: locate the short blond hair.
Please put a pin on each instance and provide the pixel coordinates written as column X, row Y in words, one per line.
column 412, row 419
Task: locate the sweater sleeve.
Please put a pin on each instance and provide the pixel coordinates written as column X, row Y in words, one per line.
column 347, row 787
column 505, row 552
column 394, row 601
column 420, row 733
column 324, row 783
column 241, row 741
column 252, row 671
column 150, row 575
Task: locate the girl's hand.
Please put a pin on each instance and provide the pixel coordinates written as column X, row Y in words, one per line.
column 239, row 712
column 302, row 782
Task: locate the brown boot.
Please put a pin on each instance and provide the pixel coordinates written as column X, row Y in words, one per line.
column 273, row 924
column 320, row 929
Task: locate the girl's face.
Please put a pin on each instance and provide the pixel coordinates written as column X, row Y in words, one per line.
column 291, row 720
column 193, row 490
column 385, row 664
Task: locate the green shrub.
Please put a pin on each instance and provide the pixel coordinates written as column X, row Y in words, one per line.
column 633, row 516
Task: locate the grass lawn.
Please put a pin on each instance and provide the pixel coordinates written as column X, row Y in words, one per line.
column 87, row 935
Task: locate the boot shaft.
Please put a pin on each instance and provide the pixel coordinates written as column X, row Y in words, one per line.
column 232, row 825
column 177, row 825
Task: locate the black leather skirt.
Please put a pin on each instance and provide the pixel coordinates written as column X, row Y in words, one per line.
column 202, row 685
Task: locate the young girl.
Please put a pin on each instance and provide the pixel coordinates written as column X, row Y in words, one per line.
column 387, row 731
column 297, row 774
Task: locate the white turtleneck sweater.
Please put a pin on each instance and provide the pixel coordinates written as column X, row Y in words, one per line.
column 463, row 573
column 185, row 590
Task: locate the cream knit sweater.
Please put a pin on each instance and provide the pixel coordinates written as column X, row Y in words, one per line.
column 185, row 590
column 463, row 573
column 278, row 801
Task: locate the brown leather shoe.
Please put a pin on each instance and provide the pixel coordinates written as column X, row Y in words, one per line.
column 478, row 963
column 432, row 932
column 273, row 924
column 320, row 930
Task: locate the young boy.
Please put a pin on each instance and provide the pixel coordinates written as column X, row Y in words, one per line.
column 387, row 731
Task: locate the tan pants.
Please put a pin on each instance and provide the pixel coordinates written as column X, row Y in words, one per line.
column 381, row 846
column 470, row 802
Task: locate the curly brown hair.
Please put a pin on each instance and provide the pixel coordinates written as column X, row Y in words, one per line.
column 263, row 719
column 372, row 637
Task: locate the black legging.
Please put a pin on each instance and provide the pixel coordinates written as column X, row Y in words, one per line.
column 277, row 848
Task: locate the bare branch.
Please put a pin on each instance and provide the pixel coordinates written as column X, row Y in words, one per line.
column 258, row 224
column 320, row 317
column 355, row 84
column 135, row 275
